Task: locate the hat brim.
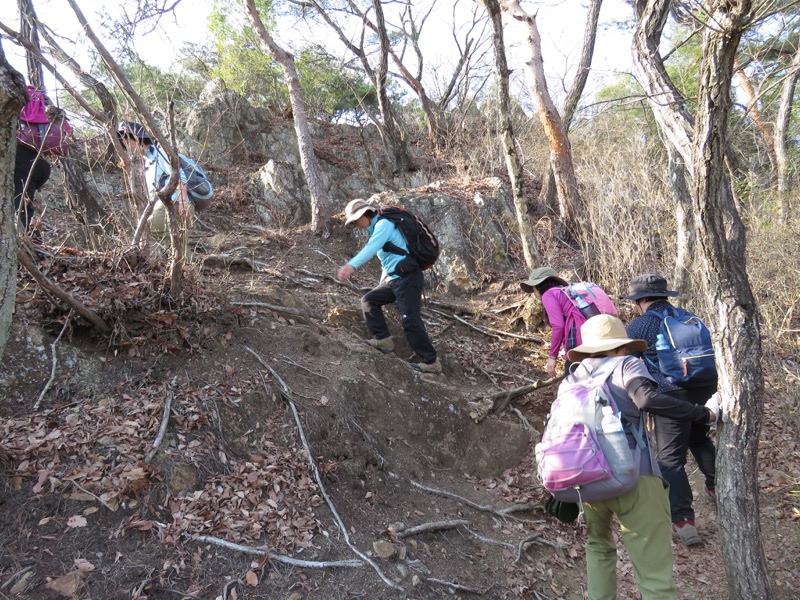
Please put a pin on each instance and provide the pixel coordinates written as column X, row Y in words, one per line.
column 529, row 285
column 578, row 353
column 351, row 220
column 664, row 294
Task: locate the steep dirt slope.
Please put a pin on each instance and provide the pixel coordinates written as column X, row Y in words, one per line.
column 91, row 510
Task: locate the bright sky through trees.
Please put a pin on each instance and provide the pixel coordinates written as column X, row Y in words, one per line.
column 561, row 26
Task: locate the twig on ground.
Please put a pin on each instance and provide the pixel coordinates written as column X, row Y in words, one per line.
column 288, row 560
column 347, row 284
column 216, row 261
column 432, row 526
column 488, row 540
column 205, row 225
column 180, row 593
column 501, row 512
column 502, row 309
column 320, row 252
column 285, row 392
column 47, row 385
column 522, row 418
column 455, row 586
column 294, row 363
column 485, row 372
column 226, row 590
column 277, row 308
column 490, row 331
column 523, row 544
column 500, row 400
column 15, row 577
column 161, row 430
column 96, row 497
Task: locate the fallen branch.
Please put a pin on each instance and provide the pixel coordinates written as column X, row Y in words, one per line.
column 294, row 363
column 217, row 261
column 501, row 400
column 54, row 363
column 87, row 313
column 501, row 512
column 161, row 430
column 522, row 418
column 95, row 496
column 277, row 308
column 285, row 392
column 455, row 586
column 347, row 284
column 433, row 526
column 490, row 331
column 288, row 560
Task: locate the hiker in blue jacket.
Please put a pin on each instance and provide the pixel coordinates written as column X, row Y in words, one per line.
column 674, row 437
column 405, row 290
column 136, row 140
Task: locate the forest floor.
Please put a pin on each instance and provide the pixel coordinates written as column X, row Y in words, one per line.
column 91, row 510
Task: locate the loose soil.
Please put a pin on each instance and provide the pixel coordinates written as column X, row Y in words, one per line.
column 91, row 510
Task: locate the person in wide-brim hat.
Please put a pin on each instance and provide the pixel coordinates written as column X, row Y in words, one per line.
column 356, row 209
column 601, row 334
column 538, row 276
column 649, row 286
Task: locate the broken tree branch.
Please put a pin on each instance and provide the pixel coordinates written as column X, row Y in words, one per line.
column 501, row 400
column 87, row 313
column 161, row 430
column 455, row 586
column 432, row 526
column 288, row 560
column 505, row 511
column 54, row 363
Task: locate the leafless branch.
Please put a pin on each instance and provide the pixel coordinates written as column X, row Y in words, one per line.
column 161, row 430
column 54, row 363
column 288, row 560
column 505, row 511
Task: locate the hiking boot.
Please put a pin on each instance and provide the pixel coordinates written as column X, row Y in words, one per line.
column 711, row 495
column 435, row 367
column 386, row 345
column 685, row 531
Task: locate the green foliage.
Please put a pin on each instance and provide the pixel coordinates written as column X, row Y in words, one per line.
column 330, row 91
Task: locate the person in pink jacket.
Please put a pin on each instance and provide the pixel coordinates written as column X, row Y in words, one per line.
column 561, row 313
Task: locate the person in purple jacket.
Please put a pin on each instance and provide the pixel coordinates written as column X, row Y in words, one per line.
column 564, row 321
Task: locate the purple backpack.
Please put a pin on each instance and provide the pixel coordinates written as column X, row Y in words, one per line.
column 41, row 127
column 578, row 459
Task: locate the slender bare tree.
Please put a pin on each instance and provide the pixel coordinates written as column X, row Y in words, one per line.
column 513, row 162
column 560, row 151
column 782, row 159
column 315, row 179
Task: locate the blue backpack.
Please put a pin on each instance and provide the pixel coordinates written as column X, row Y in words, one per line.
column 198, row 186
column 684, row 348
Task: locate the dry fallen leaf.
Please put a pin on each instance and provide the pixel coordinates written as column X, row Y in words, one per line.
column 67, row 585
column 251, row 578
column 83, row 565
column 76, row 521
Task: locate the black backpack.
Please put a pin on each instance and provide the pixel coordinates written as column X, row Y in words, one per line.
column 423, row 247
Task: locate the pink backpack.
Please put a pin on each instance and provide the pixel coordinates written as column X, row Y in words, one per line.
column 39, row 131
column 593, row 294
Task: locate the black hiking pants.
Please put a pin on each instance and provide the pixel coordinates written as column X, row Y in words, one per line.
column 407, row 292
column 675, row 439
column 31, row 171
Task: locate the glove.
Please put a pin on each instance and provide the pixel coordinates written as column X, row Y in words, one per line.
column 713, row 405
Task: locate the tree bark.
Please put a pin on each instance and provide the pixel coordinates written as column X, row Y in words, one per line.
column 320, row 206
column 785, row 183
column 721, row 241
column 576, row 90
column 12, row 99
column 686, row 235
column 550, row 119
column 513, row 162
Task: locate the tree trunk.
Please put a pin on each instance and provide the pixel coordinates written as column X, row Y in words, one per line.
column 781, row 134
column 560, row 152
column 12, row 99
column 682, row 199
column 394, row 134
column 513, row 163
column 80, row 200
column 754, row 111
column 320, row 209
column 576, row 91
column 721, row 241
